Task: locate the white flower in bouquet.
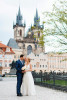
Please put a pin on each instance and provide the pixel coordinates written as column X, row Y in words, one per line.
column 23, row 68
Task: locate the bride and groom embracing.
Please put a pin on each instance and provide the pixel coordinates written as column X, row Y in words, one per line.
column 24, row 77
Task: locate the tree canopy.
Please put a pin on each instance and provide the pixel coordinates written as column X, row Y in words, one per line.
column 56, row 20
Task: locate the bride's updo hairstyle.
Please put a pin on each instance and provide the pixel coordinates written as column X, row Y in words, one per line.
column 29, row 59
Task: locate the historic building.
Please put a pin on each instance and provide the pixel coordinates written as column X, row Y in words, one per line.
column 29, row 46
column 49, row 62
column 29, row 43
column 6, row 57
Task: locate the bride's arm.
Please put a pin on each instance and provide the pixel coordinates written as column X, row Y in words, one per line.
column 29, row 69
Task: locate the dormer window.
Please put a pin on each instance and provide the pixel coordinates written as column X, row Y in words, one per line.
column 7, row 49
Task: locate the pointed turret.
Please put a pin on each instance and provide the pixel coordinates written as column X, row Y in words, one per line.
column 19, row 12
column 36, row 13
column 19, row 27
column 19, row 18
column 24, row 23
column 36, row 19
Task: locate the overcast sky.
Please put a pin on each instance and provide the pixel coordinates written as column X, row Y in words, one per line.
column 9, row 10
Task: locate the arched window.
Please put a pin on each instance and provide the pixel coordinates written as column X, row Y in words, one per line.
column 20, row 32
column 29, row 49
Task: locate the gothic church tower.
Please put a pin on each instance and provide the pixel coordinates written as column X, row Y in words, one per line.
column 19, row 29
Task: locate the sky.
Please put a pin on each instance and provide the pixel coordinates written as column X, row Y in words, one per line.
column 9, row 10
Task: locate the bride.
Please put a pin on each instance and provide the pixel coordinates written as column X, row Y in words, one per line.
column 28, row 87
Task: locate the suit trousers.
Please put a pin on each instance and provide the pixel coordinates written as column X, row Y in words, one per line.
column 19, row 82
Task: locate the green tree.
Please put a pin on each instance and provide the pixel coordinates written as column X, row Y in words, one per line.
column 42, row 39
column 56, row 20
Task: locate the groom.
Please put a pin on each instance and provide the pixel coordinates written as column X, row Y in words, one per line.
column 19, row 64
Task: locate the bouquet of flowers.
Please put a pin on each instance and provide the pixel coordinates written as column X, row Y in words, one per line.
column 23, row 68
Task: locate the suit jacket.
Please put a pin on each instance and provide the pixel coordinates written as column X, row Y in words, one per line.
column 19, row 66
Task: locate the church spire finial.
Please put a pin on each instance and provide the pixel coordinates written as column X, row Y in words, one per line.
column 36, row 13
column 19, row 12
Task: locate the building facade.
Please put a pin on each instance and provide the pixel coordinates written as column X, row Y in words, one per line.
column 27, row 43
column 58, row 62
column 49, row 62
column 29, row 46
column 6, row 57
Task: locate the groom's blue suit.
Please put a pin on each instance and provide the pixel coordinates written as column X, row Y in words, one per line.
column 19, row 73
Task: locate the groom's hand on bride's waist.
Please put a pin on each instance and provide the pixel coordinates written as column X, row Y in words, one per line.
column 23, row 71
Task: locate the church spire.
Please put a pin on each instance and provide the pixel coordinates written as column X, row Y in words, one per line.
column 19, row 17
column 36, row 19
column 36, row 13
column 19, row 12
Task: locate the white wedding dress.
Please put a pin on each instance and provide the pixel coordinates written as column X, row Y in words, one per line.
column 28, row 87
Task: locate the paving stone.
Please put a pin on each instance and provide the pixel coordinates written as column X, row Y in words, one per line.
column 8, row 92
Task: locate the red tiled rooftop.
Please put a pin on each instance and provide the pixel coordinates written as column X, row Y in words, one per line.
column 3, row 46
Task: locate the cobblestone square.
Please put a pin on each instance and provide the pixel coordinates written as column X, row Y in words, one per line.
column 8, row 92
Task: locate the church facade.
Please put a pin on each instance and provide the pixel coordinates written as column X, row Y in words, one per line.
column 29, row 46
column 27, row 43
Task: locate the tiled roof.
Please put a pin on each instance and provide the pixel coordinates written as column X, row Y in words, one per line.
column 13, row 44
column 3, row 47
